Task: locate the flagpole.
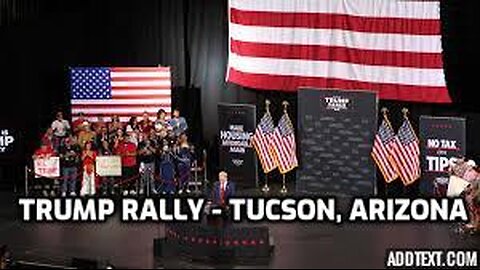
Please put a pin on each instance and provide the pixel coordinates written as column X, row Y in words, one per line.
column 405, row 117
column 266, row 188
column 284, row 189
column 384, row 112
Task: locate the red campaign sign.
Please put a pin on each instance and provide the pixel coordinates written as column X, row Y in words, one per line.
column 47, row 167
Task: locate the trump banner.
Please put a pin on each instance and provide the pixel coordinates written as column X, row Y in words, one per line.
column 441, row 139
column 109, row 166
column 236, row 123
column 47, row 167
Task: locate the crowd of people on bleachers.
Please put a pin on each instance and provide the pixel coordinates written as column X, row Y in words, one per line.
column 155, row 155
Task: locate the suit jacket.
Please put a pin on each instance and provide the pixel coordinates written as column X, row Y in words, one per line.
column 229, row 192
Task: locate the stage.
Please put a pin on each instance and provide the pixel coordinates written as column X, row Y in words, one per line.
column 296, row 245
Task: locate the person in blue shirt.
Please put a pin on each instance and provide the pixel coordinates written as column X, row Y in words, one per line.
column 178, row 123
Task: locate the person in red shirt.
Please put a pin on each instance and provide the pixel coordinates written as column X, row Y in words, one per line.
column 45, row 151
column 128, row 151
column 47, row 138
column 79, row 123
column 145, row 125
column 88, row 158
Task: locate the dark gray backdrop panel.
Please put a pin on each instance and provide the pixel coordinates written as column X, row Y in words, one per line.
column 240, row 162
column 336, row 132
column 435, row 177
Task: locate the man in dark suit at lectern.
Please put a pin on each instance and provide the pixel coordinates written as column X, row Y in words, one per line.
column 223, row 189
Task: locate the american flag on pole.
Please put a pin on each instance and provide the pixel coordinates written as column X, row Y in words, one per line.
column 262, row 142
column 383, row 151
column 408, row 152
column 284, row 145
column 392, row 47
column 122, row 91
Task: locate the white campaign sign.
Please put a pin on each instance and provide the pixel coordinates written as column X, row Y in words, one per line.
column 109, row 166
column 47, row 167
column 456, row 186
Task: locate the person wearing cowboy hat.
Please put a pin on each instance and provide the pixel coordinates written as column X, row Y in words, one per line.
column 86, row 134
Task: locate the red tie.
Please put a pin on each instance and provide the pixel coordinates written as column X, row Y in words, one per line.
column 222, row 194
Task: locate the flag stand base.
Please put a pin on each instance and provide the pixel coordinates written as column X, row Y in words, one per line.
column 265, row 188
column 284, row 189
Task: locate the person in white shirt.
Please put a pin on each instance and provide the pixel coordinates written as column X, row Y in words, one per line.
column 61, row 128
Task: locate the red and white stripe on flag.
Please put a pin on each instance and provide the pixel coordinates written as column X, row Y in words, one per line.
column 284, row 145
column 262, row 142
column 408, row 162
column 382, row 155
column 408, row 153
column 285, row 151
column 392, row 47
column 134, row 90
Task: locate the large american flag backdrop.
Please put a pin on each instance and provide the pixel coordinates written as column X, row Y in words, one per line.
column 122, row 91
column 392, row 47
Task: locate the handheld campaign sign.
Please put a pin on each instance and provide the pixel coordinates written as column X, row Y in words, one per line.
column 47, row 167
column 109, row 166
column 456, row 186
